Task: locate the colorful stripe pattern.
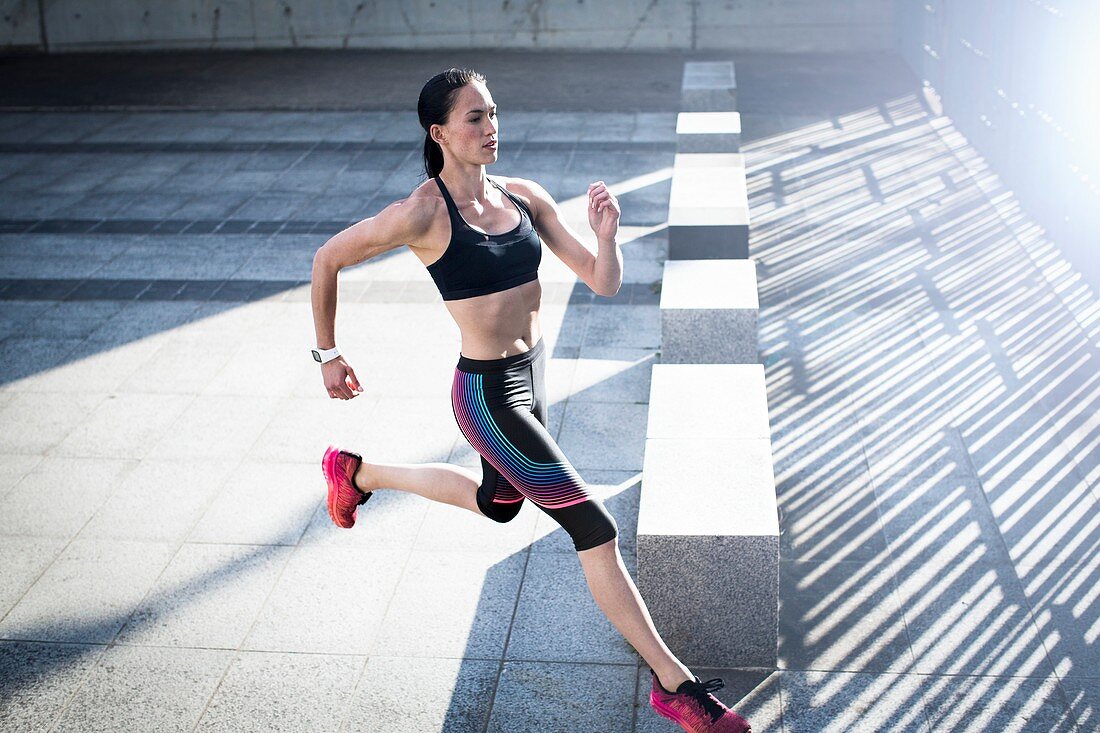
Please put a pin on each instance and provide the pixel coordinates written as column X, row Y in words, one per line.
column 551, row 485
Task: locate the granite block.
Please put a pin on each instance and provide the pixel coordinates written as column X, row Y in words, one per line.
column 709, row 312
column 732, row 623
column 708, row 401
column 708, row 86
column 708, row 132
column 708, row 210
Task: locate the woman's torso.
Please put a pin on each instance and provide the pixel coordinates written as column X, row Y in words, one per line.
column 492, row 325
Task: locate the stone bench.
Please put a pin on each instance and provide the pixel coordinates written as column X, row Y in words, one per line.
column 708, row 86
column 709, row 312
column 708, row 523
column 708, row 132
column 708, row 207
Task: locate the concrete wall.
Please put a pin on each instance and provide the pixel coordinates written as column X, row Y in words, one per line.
column 773, row 25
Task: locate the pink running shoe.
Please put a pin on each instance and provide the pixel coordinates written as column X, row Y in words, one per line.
column 694, row 708
column 344, row 498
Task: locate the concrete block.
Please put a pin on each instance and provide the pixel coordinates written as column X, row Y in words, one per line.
column 693, row 401
column 708, row 207
column 708, row 132
column 709, row 312
column 708, row 549
column 708, row 86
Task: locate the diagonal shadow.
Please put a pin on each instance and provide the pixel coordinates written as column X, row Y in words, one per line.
column 932, row 387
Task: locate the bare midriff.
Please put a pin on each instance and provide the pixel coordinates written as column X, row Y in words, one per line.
column 500, row 324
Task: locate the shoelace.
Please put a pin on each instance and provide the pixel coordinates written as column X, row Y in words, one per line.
column 699, row 691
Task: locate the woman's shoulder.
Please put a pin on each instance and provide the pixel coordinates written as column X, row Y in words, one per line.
column 524, row 189
column 422, row 203
column 416, row 213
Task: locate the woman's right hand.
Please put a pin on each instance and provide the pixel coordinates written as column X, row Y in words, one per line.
column 340, row 379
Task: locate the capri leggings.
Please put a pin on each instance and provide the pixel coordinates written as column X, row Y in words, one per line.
column 500, row 406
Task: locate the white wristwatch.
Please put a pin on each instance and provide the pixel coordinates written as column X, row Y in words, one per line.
column 325, row 355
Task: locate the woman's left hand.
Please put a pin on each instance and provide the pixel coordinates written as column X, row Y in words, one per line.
column 603, row 211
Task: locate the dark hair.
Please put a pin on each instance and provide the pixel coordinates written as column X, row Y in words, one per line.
column 435, row 104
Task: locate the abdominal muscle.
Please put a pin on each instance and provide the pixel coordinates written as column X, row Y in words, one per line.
column 499, row 324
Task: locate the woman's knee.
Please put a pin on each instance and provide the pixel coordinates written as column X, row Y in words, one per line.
column 497, row 511
column 600, row 529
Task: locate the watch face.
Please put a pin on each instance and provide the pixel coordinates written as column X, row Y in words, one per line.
column 316, row 355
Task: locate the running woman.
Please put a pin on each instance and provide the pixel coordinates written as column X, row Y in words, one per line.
column 480, row 239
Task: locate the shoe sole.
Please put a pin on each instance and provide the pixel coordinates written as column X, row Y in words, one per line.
column 666, row 712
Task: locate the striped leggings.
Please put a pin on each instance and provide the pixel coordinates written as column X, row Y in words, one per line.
column 500, row 406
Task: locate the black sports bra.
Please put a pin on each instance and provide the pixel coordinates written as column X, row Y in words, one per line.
column 476, row 263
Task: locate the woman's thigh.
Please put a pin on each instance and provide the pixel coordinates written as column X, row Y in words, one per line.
column 496, row 414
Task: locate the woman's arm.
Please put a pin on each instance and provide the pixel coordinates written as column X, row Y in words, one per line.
column 402, row 222
column 602, row 272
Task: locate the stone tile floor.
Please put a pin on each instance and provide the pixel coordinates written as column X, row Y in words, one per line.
column 168, row 562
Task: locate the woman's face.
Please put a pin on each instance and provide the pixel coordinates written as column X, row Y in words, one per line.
column 471, row 124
